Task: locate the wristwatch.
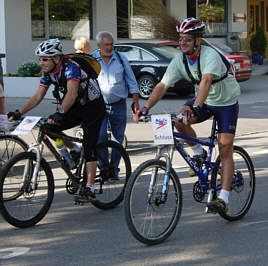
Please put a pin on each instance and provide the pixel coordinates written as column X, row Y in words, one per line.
column 60, row 110
column 196, row 106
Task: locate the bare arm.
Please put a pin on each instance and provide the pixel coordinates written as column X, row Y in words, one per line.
column 34, row 100
column 203, row 89
column 158, row 92
column 71, row 95
column 2, row 105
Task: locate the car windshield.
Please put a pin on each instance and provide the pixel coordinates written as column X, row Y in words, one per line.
column 168, row 51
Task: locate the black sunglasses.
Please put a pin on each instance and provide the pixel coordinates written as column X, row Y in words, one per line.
column 44, row 59
column 185, row 39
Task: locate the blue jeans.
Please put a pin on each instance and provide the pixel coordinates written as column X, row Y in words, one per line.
column 117, row 115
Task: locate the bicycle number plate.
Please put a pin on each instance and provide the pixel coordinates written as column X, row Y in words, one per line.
column 26, row 125
column 162, row 129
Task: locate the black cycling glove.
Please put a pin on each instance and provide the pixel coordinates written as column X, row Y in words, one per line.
column 16, row 115
column 196, row 109
column 56, row 117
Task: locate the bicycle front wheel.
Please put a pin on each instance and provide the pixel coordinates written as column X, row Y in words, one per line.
column 150, row 217
column 21, row 204
column 243, row 184
column 10, row 146
column 114, row 170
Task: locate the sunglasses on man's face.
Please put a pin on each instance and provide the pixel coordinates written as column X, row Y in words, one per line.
column 185, row 39
column 44, row 59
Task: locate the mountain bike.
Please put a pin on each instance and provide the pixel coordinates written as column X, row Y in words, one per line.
column 153, row 196
column 27, row 182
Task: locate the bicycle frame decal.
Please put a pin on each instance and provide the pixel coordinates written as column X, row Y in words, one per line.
column 162, row 129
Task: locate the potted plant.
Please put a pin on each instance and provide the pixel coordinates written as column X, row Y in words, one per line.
column 258, row 46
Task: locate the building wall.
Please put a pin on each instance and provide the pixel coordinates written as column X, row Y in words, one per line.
column 15, row 27
column 239, row 6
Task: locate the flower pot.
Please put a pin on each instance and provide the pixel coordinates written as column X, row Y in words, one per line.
column 257, row 58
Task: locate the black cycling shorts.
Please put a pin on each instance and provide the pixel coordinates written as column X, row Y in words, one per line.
column 90, row 117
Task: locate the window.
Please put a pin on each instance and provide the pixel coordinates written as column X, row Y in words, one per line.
column 213, row 13
column 129, row 15
column 251, row 19
column 65, row 19
column 131, row 53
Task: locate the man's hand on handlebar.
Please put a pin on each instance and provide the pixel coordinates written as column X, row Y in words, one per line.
column 55, row 118
column 13, row 115
column 188, row 112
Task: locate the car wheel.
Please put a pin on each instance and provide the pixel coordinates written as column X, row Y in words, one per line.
column 146, row 85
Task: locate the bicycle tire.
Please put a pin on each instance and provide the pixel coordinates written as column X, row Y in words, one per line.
column 22, row 211
column 112, row 188
column 152, row 217
column 242, row 193
column 10, row 146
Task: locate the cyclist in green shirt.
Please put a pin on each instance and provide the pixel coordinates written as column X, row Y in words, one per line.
column 216, row 93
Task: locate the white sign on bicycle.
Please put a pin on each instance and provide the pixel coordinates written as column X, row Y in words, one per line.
column 162, row 129
column 26, row 125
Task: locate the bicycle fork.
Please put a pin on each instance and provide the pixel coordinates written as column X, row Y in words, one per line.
column 164, row 191
column 37, row 148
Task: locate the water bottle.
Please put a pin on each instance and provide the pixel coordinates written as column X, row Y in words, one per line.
column 64, row 152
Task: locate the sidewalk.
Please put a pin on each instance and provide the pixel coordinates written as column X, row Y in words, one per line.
column 258, row 70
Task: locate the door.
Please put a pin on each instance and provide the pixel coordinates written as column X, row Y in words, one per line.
column 257, row 17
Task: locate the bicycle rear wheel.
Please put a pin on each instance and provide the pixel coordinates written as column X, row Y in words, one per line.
column 110, row 181
column 243, row 185
column 10, row 146
column 21, row 205
column 149, row 219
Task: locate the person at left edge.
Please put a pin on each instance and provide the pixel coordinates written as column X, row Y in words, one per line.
column 72, row 110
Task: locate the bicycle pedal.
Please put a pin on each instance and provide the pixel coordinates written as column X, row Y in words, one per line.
column 209, row 210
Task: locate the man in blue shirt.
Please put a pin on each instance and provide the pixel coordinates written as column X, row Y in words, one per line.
column 116, row 81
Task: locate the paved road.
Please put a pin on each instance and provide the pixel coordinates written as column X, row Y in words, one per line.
column 85, row 235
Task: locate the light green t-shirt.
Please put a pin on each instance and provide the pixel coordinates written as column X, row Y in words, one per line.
column 222, row 93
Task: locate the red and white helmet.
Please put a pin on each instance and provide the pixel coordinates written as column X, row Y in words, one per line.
column 192, row 26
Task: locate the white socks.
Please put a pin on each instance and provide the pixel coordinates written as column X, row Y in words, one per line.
column 224, row 195
column 91, row 187
column 197, row 149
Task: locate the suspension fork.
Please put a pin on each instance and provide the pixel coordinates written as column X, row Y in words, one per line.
column 37, row 149
column 168, row 158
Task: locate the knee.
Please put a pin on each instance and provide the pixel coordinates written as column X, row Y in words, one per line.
column 226, row 150
column 181, row 127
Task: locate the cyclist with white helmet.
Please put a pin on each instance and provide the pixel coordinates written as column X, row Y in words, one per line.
column 216, row 93
column 72, row 111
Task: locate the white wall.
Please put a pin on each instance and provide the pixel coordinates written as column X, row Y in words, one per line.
column 177, row 8
column 17, row 32
column 237, row 6
column 2, row 33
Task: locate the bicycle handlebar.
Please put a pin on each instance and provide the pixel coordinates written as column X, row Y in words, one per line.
column 174, row 117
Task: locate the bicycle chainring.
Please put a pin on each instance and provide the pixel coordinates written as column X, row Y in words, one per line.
column 198, row 195
column 72, row 185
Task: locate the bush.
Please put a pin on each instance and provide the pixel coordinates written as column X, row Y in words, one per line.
column 258, row 42
column 29, row 69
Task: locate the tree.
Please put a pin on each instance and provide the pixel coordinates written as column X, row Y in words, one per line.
column 258, row 42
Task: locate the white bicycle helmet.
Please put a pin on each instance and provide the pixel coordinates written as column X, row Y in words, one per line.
column 50, row 47
column 192, row 26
